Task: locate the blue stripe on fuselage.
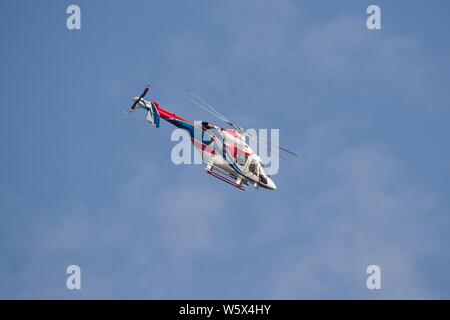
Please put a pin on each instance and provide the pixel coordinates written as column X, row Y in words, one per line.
column 183, row 125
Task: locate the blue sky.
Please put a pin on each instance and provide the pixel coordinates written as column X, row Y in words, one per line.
column 82, row 184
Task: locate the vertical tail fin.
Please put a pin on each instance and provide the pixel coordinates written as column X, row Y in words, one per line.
column 152, row 114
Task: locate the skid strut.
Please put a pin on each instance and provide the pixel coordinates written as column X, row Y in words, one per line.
column 210, row 169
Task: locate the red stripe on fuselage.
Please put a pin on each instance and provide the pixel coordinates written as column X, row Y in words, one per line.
column 163, row 113
column 167, row 115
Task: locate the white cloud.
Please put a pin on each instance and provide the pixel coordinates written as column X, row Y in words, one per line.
column 368, row 214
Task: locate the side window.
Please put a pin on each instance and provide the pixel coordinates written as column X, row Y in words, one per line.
column 241, row 159
column 253, row 167
column 207, row 138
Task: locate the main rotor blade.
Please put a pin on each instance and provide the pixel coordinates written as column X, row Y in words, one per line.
column 210, row 109
column 207, row 110
column 207, row 107
column 270, row 148
column 270, row 144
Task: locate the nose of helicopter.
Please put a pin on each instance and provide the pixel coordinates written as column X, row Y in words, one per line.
column 271, row 185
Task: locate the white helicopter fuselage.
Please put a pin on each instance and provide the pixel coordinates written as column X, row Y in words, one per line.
column 226, row 154
column 245, row 165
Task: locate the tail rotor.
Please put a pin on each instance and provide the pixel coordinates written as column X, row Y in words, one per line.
column 137, row 100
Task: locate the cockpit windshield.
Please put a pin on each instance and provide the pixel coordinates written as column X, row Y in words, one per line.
column 262, row 169
column 253, row 167
column 257, row 168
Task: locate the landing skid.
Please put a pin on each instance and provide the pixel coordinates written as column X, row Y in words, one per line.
column 224, row 178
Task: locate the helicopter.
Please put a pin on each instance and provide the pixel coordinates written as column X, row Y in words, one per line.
column 224, row 150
